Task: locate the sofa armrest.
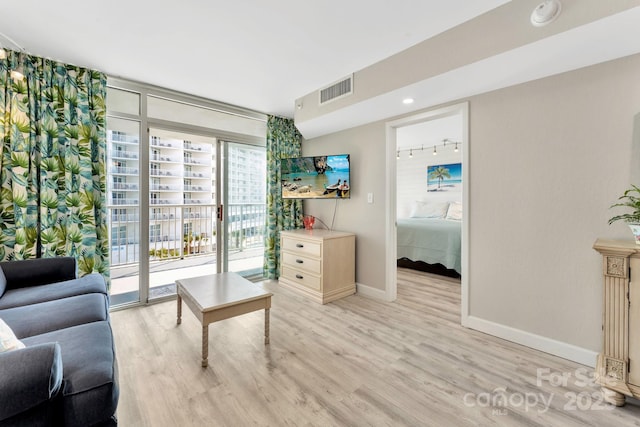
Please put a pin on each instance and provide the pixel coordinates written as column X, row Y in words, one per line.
column 38, row 271
column 30, row 376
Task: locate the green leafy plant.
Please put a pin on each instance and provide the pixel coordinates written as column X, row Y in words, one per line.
column 629, row 199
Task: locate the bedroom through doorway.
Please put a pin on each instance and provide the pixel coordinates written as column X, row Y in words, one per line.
column 428, row 195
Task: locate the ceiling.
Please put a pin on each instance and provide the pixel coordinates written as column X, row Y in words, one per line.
column 251, row 53
column 578, row 44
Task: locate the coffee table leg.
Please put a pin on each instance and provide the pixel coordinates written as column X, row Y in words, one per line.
column 179, row 310
column 266, row 326
column 205, row 345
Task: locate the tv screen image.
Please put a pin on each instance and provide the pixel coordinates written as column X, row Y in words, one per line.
column 317, row 177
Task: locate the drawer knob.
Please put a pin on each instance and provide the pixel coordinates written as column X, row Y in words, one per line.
column 299, row 276
column 299, row 245
column 299, row 261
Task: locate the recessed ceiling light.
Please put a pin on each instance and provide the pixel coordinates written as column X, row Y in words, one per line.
column 407, row 101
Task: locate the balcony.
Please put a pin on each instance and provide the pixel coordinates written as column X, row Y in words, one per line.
column 165, row 202
column 161, row 172
column 197, row 201
column 125, row 217
column 191, row 174
column 192, row 254
column 124, row 186
column 159, row 158
column 196, row 188
column 124, row 155
column 164, row 144
column 122, row 170
column 123, row 137
column 165, row 187
column 121, row 202
column 197, row 148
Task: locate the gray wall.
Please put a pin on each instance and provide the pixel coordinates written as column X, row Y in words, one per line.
column 367, row 146
column 547, row 158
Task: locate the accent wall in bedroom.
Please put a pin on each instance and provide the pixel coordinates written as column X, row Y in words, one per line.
column 411, row 171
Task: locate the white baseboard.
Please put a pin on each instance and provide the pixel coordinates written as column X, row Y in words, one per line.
column 373, row 293
column 538, row 342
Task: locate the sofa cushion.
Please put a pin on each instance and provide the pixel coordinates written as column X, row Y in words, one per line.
column 32, row 295
column 3, row 283
column 8, row 339
column 31, row 377
column 36, row 319
column 89, row 385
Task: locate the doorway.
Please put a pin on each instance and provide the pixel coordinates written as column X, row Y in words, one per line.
column 399, row 129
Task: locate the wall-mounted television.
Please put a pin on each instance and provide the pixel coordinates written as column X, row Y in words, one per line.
column 317, row 177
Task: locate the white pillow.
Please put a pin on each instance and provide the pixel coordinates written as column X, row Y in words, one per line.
column 455, row 211
column 8, row 340
column 429, row 209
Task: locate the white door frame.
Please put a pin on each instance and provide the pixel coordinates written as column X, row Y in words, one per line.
column 391, row 210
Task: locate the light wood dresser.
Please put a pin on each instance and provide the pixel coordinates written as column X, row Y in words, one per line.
column 618, row 365
column 318, row 263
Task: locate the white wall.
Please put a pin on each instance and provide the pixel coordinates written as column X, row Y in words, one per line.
column 547, row 158
column 411, row 175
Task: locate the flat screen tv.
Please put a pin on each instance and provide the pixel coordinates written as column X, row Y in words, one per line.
column 317, row 177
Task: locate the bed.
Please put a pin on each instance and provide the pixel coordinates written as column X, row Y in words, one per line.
column 435, row 239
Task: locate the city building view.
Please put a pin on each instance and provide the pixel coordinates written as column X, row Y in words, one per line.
column 183, row 235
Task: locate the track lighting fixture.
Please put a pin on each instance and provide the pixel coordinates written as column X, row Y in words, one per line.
column 445, row 144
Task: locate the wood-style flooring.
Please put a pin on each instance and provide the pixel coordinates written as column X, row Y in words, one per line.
column 353, row 362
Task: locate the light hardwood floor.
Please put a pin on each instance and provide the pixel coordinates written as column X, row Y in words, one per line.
column 354, row 362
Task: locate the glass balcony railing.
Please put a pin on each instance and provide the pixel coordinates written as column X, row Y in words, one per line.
column 165, row 201
column 196, row 188
column 123, row 137
column 192, row 174
column 124, row 155
column 121, row 170
column 124, row 186
column 121, row 202
column 165, row 187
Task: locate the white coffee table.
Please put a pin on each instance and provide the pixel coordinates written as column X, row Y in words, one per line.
column 218, row 297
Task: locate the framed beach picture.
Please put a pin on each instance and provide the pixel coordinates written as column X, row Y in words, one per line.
column 444, row 177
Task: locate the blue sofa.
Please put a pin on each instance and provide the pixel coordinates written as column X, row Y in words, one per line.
column 66, row 375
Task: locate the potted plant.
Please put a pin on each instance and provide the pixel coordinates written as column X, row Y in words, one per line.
column 630, row 199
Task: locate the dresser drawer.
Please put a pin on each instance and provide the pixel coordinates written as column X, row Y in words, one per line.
column 308, row 280
column 300, row 262
column 302, row 247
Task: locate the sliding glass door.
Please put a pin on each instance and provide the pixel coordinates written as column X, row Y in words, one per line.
column 183, row 206
column 245, row 200
column 186, row 190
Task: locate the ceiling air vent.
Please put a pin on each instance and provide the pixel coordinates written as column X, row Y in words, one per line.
column 337, row 90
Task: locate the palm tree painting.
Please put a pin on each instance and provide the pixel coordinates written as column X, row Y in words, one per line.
column 444, row 177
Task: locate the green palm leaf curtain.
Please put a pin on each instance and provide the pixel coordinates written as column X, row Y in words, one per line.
column 52, row 154
column 283, row 141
